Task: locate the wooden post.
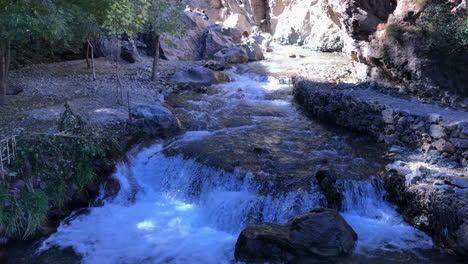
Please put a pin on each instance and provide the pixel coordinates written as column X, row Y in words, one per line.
column 128, row 106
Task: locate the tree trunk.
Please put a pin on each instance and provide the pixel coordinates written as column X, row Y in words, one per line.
column 154, row 73
column 87, row 54
column 5, row 57
column 92, row 59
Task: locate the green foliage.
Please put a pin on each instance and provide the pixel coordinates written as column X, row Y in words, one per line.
column 21, row 21
column 23, row 213
column 446, row 34
column 393, row 33
column 53, row 166
column 128, row 17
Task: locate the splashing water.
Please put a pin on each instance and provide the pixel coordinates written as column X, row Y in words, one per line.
column 184, row 212
column 174, row 210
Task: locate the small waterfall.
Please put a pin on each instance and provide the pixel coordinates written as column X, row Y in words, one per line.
column 172, row 210
column 379, row 226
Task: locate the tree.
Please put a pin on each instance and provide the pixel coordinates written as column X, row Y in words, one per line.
column 22, row 21
column 129, row 17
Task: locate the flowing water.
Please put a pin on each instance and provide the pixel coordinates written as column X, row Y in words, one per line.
column 248, row 155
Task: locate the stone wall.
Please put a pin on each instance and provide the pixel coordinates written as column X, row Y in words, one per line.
column 431, row 132
column 430, row 197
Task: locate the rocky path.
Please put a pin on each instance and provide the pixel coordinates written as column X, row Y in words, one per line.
column 45, row 89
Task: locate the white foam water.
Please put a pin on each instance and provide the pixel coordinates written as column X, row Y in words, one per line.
column 171, row 210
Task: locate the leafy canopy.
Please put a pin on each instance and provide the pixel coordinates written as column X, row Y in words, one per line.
column 23, row 20
column 127, row 17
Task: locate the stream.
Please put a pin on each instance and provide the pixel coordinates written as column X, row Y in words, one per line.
column 248, row 155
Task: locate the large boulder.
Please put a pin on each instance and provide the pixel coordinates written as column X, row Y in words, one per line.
column 129, row 52
column 216, row 38
column 319, row 235
column 107, row 47
column 254, row 51
column 158, row 120
column 237, row 54
column 199, row 75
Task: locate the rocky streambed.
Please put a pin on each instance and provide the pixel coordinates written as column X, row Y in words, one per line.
column 247, row 155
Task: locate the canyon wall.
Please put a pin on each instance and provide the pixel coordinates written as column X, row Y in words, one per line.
column 386, row 35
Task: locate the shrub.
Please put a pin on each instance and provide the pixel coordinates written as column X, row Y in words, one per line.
column 53, row 166
column 446, row 34
column 393, row 33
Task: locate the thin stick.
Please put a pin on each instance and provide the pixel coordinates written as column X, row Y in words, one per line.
column 128, row 105
column 14, row 145
column 8, row 151
column 92, row 60
column 1, row 158
column 119, row 91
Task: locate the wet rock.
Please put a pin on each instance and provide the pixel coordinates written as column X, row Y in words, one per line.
column 158, row 120
column 436, row 131
column 333, row 193
column 387, row 116
column 215, row 65
column 320, row 234
column 232, row 55
column 433, row 118
column 200, row 76
column 111, row 188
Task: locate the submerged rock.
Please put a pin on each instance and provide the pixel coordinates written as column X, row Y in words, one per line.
column 319, row 235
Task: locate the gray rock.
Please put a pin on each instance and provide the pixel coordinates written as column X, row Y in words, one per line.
column 158, row 120
column 418, row 125
column 215, row 65
column 107, row 47
column 387, row 116
column 436, row 131
column 327, row 182
column 216, row 38
column 129, row 52
column 253, row 50
column 444, row 146
column 318, row 234
column 232, row 55
column 433, row 118
column 199, row 75
column 460, row 143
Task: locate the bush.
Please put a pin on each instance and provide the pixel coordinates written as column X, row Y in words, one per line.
column 393, row 33
column 446, row 34
column 54, row 167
